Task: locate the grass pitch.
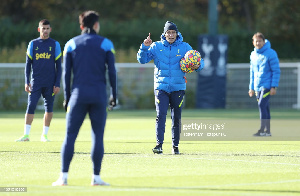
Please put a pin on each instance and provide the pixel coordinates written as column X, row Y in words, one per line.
column 203, row 168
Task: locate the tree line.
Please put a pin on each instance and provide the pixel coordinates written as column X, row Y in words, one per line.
column 128, row 22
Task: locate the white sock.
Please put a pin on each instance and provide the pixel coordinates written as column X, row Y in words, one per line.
column 64, row 175
column 27, row 129
column 96, row 177
column 45, row 130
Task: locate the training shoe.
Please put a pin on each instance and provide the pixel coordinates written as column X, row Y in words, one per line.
column 60, row 182
column 158, row 149
column 268, row 134
column 25, row 138
column 259, row 133
column 44, row 138
column 98, row 182
column 175, row 150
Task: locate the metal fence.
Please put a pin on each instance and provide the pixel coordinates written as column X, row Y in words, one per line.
column 135, row 87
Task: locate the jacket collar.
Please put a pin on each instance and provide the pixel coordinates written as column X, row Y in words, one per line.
column 88, row 31
column 179, row 39
column 266, row 46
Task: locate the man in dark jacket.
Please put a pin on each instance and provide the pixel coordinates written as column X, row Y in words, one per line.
column 86, row 56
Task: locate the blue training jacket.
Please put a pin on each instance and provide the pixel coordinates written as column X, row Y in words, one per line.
column 167, row 72
column 264, row 68
column 88, row 56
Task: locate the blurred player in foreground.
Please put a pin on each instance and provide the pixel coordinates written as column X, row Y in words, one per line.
column 86, row 56
column 44, row 58
column 169, row 80
column 264, row 79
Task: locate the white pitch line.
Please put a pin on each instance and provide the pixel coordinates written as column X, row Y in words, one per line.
column 247, row 161
column 159, row 189
column 245, row 184
column 211, row 159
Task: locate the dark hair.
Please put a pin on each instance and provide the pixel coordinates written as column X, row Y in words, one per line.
column 260, row 35
column 88, row 18
column 44, row 22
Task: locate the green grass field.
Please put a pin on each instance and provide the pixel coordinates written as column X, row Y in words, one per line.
column 204, row 167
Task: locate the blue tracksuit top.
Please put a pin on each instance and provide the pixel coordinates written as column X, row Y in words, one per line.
column 167, row 72
column 44, row 57
column 89, row 55
column 264, row 68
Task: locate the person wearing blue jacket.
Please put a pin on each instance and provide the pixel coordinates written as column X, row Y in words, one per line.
column 87, row 56
column 169, row 80
column 264, row 79
column 43, row 66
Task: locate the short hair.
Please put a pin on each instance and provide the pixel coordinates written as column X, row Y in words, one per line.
column 88, row 18
column 258, row 34
column 44, row 22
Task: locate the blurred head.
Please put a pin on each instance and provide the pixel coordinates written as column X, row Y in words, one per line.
column 44, row 29
column 170, row 32
column 258, row 40
column 89, row 19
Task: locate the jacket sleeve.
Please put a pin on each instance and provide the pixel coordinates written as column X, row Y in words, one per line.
column 274, row 65
column 27, row 69
column 201, row 65
column 67, row 68
column 144, row 54
column 28, row 64
column 58, row 64
column 112, row 73
column 58, row 72
column 109, row 49
column 251, row 83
